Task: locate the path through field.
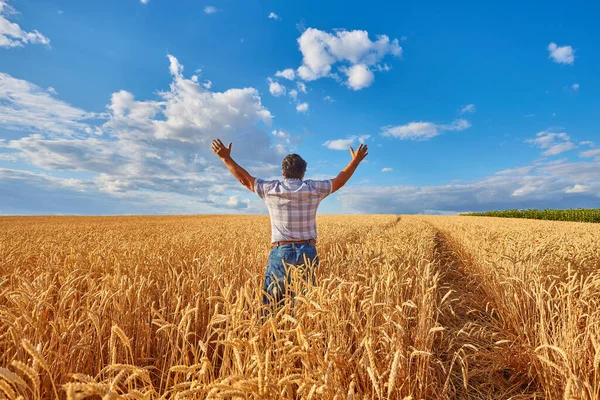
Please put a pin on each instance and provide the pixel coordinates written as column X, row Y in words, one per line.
column 475, row 343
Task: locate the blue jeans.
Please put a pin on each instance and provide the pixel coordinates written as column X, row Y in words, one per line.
column 283, row 261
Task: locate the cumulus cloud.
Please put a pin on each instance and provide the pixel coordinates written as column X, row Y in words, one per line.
column 553, row 143
column 288, row 73
column 468, row 109
column 561, row 54
column 329, row 99
column 353, row 50
column 424, row 130
column 274, row 16
column 11, row 34
column 302, row 107
column 359, row 76
column 276, row 88
column 144, row 1
column 575, row 86
column 387, row 170
column 158, row 146
column 211, row 10
column 344, row 144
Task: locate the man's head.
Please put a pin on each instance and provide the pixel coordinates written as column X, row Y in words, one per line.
column 293, row 166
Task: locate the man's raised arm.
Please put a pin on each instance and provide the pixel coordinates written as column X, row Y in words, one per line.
column 357, row 157
column 240, row 173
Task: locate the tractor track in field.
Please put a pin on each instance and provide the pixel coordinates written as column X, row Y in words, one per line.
column 483, row 357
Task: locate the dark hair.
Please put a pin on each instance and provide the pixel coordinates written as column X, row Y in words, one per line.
column 293, row 166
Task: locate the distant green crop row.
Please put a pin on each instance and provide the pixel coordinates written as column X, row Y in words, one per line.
column 578, row 214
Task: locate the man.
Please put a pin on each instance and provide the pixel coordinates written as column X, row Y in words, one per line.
column 292, row 205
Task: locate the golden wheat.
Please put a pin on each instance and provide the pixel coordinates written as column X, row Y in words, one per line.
column 410, row 307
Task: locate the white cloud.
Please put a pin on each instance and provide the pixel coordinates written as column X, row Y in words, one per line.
column 26, row 106
column 89, row 154
column 424, row 130
column 383, row 68
column 344, row 144
column 235, row 202
column 594, row 153
column 9, row 157
column 321, row 50
column 157, row 146
column 586, row 143
column 516, row 171
column 276, row 88
column 575, row 86
column 301, row 86
column 280, row 133
column 469, row 108
column 577, row 189
column 144, row 1
column 387, row 170
column 11, row 34
column 552, row 186
column 287, row 74
column 527, row 189
column 359, row 76
column 562, row 54
column 42, row 194
column 559, row 148
column 211, row 9
column 302, row 107
column 274, row 16
column 329, row 99
column 553, row 143
column 207, row 84
column 293, row 94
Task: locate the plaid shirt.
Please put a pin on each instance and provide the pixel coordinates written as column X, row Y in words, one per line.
column 292, row 205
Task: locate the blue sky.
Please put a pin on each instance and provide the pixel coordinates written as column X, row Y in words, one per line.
column 109, row 107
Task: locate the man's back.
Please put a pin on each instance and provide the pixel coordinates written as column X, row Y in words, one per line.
column 292, row 205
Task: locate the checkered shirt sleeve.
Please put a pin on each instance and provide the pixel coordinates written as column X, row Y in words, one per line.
column 262, row 187
column 323, row 188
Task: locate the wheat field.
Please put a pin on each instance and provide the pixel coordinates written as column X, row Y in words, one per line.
column 408, row 307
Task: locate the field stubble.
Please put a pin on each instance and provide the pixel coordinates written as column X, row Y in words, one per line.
column 421, row 307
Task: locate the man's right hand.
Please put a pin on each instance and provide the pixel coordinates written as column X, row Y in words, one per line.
column 360, row 153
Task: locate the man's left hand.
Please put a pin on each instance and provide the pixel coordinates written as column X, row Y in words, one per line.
column 219, row 148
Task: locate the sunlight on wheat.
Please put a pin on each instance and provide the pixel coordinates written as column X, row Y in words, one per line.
column 403, row 307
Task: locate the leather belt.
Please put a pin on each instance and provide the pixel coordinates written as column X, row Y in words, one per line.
column 310, row 242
